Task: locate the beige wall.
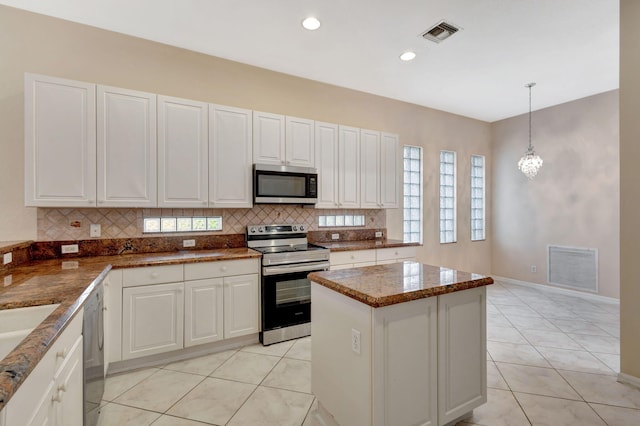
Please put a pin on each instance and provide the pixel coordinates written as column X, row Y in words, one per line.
column 54, row 47
column 629, row 188
column 574, row 200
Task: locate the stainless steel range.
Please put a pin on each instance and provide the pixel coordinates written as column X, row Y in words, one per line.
column 287, row 259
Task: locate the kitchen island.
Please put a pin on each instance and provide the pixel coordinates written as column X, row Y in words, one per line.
column 398, row 344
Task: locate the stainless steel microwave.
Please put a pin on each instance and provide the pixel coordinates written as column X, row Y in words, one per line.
column 284, row 184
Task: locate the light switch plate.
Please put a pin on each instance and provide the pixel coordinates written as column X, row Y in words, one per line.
column 95, row 230
column 7, row 258
column 188, row 243
column 335, row 236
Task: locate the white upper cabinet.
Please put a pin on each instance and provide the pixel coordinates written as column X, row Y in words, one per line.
column 369, row 169
column 182, row 153
column 327, row 164
column 390, row 170
column 348, row 167
column 283, row 141
column 268, row 138
column 230, row 157
column 126, row 148
column 60, row 142
column 380, row 168
column 300, row 141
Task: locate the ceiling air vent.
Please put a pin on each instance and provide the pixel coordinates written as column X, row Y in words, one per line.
column 440, row 31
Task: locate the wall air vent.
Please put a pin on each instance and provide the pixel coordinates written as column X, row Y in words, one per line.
column 441, row 31
column 575, row 268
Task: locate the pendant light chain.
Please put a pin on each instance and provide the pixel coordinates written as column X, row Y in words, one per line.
column 530, row 85
column 530, row 162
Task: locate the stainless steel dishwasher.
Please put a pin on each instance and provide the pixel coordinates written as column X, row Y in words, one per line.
column 93, row 336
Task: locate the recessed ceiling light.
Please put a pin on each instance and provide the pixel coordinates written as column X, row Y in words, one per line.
column 311, row 23
column 408, row 56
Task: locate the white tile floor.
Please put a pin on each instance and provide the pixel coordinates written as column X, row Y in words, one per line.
column 552, row 360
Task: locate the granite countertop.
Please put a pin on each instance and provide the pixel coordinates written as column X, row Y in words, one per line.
column 363, row 244
column 384, row 285
column 69, row 283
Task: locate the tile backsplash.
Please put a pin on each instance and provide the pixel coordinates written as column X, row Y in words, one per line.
column 73, row 224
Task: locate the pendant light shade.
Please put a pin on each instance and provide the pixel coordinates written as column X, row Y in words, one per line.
column 530, row 162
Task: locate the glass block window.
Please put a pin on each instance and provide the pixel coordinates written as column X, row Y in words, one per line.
column 447, row 197
column 181, row 224
column 412, row 214
column 477, row 198
column 341, row 220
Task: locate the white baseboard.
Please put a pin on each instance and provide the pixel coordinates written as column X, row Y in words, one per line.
column 588, row 296
column 629, row 380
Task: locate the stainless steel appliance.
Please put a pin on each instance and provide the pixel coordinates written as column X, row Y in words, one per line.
column 284, row 184
column 93, row 337
column 287, row 259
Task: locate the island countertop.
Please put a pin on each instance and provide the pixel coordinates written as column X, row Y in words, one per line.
column 384, row 285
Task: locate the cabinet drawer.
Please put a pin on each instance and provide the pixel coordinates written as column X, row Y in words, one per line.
column 62, row 347
column 223, row 268
column 152, row 275
column 395, row 253
column 356, row 256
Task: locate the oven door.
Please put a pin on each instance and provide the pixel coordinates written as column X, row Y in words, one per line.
column 286, row 294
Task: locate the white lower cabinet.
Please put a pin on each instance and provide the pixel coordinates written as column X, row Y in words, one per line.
column 462, row 353
column 241, row 306
column 206, row 302
column 405, row 336
column 395, row 254
column 203, row 311
column 421, row 362
column 153, row 319
column 53, row 392
column 381, row 256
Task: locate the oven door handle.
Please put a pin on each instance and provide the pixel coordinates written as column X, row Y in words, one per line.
column 310, row 267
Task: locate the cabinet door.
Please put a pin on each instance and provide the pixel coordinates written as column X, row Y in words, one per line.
column 182, row 153
column 405, row 337
column 462, row 353
column 390, row 170
column 268, row 138
column 369, row 169
column 348, row 167
column 69, row 398
column 44, row 413
column 230, row 157
column 203, row 311
column 241, row 306
column 300, row 142
column 152, row 319
column 326, row 147
column 126, row 148
column 60, row 142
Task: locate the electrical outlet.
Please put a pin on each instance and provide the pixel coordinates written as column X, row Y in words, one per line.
column 188, row 243
column 69, row 248
column 7, row 258
column 355, row 341
column 95, row 230
column 378, row 234
column 534, row 269
column 8, row 280
column 335, row 236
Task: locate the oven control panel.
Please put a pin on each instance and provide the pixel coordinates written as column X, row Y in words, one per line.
column 276, row 229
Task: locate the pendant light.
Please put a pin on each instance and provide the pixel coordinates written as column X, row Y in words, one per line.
column 530, row 162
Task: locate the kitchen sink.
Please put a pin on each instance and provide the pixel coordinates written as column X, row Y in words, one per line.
column 17, row 323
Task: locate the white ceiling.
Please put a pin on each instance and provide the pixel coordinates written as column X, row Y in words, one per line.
column 569, row 47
